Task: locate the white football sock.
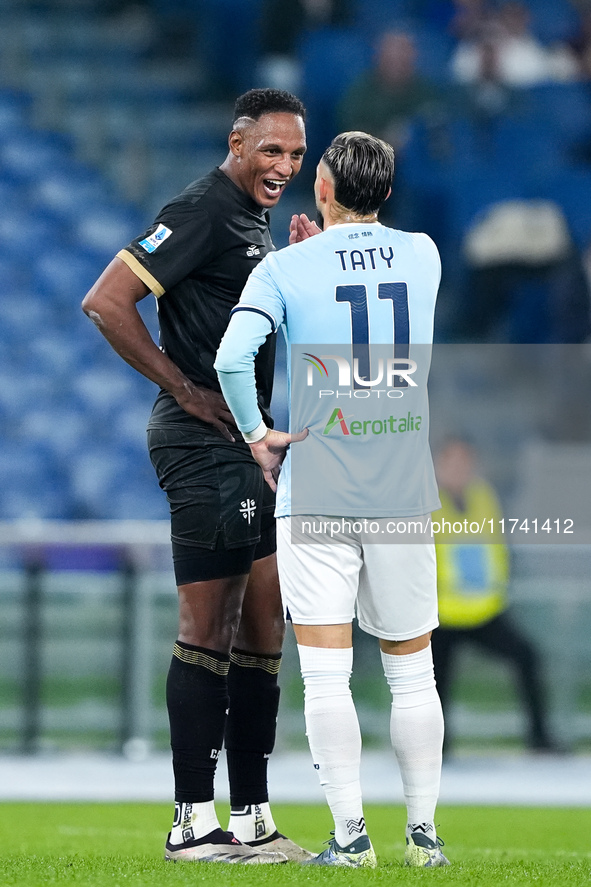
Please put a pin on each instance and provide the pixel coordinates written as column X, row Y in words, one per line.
column 252, row 823
column 416, row 730
column 193, row 821
column 334, row 735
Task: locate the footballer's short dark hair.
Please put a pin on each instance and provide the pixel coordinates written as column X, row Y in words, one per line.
column 362, row 167
column 257, row 102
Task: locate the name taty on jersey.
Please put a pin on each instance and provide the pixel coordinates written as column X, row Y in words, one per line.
column 364, row 259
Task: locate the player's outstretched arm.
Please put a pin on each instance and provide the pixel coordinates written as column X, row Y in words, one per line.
column 301, row 228
column 270, row 452
column 112, row 306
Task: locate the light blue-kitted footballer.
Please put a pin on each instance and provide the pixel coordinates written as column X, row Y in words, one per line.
column 356, row 304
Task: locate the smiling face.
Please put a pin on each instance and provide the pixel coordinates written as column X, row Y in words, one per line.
column 265, row 155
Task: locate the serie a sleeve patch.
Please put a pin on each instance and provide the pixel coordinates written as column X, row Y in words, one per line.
column 153, row 241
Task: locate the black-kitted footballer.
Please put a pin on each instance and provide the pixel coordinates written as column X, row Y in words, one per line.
column 222, row 683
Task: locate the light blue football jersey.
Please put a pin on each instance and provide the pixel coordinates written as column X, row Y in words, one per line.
column 356, row 304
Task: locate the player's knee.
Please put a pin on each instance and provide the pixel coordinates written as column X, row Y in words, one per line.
column 209, row 620
column 403, row 648
column 264, row 634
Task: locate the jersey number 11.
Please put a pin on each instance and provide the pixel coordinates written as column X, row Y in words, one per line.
column 356, row 295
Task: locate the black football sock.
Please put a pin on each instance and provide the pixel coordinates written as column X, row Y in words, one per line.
column 197, row 701
column 251, row 724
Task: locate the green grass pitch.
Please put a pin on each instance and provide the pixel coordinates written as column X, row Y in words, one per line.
column 121, row 845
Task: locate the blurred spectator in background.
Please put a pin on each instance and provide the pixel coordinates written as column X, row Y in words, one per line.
column 525, row 278
column 481, row 92
column 580, row 48
column 472, row 580
column 387, row 100
column 580, row 45
column 486, row 96
column 384, row 100
column 470, row 19
column 281, row 28
column 521, row 59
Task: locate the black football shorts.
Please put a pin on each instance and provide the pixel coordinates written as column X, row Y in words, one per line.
column 221, row 509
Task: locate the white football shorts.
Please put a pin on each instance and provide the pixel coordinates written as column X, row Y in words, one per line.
column 391, row 588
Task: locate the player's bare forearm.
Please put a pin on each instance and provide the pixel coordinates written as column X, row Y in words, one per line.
column 111, row 304
column 301, row 228
column 270, row 452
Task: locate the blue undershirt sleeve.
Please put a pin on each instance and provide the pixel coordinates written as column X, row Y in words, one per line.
column 234, row 364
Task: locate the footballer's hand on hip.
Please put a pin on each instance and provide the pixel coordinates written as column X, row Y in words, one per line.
column 207, row 405
column 301, row 228
column 270, row 452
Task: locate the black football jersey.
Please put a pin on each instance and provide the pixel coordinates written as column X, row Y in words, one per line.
column 196, row 258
